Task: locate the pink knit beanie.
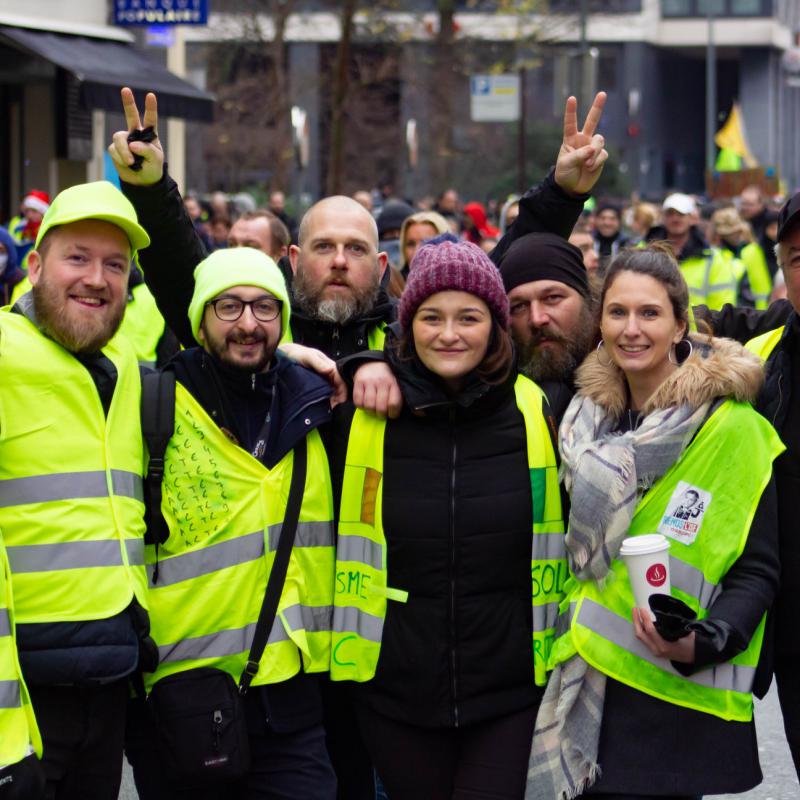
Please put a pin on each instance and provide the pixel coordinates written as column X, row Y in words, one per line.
column 445, row 263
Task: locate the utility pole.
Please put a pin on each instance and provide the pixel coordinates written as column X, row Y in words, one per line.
column 522, row 156
column 711, row 93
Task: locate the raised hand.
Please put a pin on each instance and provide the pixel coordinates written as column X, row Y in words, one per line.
column 122, row 152
column 582, row 153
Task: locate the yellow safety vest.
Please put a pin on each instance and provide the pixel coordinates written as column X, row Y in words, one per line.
column 713, row 279
column 143, row 325
column 757, row 274
column 596, row 622
column 362, row 588
column 18, row 730
column 224, row 510
column 20, row 289
column 71, row 510
column 375, row 337
column 764, row 344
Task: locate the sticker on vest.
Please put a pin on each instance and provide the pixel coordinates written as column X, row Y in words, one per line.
column 684, row 513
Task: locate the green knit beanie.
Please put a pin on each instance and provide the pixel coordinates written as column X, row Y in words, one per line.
column 236, row 266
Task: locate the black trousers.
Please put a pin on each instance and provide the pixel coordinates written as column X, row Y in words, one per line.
column 285, row 765
column 487, row 761
column 83, row 731
column 788, row 680
column 355, row 776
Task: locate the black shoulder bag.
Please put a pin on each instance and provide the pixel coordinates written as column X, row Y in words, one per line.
column 199, row 713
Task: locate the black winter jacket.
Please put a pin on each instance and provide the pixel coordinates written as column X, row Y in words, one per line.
column 457, row 515
column 778, row 402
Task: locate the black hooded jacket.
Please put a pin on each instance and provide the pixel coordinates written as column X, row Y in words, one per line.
column 460, row 650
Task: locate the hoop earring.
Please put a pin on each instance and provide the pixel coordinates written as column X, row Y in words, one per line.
column 600, row 346
column 674, row 349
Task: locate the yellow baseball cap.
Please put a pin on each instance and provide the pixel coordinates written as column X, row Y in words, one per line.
column 98, row 200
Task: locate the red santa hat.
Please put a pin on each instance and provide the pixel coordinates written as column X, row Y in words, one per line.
column 36, row 200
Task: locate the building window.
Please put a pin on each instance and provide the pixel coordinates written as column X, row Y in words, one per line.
column 720, row 8
column 597, row 6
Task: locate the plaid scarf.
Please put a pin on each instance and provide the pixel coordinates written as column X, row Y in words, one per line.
column 606, row 473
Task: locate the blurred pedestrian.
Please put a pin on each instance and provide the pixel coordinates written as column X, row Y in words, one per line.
column 10, row 273
column 415, row 230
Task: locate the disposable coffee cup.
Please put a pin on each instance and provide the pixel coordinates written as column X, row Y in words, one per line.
column 647, row 560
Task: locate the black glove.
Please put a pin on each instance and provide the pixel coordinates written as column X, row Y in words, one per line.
column 672, row 616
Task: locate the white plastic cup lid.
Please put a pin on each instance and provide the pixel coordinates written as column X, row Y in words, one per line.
column 646, row 543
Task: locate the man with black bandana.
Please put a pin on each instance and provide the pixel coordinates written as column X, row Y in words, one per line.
column 552, row 322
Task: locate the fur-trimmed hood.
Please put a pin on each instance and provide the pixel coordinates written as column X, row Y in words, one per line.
column 716, row 368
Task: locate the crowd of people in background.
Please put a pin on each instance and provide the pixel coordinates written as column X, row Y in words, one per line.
column 739, row 232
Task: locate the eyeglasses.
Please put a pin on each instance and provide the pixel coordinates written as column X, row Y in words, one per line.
column 229, row 309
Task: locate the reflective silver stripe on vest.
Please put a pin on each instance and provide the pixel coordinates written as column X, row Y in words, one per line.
column 135, row 548
column 127, row 484
column 9, row 694
column 66, row 555
column 309, row 534
column 239, row 640
column 359, row 549
column 545, row 616
column 5, row 623
column 564, row 621
column 347, row 619
column 209, row 559
column 691, row 581
column 309, row 618
column 549, row 547
column 619, row 631
column 68, row 486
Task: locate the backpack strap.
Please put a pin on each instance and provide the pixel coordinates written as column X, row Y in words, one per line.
column 158, row 425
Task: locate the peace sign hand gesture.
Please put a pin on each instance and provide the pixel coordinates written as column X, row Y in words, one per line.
column 582, row 153
column 122, row 152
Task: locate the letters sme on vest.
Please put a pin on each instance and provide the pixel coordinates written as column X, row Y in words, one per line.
column 19, row 734
column 71, row 509
column 703, row 547
column 362, row 590
column 224, row 510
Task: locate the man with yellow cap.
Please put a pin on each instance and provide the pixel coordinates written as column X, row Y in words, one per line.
column 71, row 468
column 241, row 411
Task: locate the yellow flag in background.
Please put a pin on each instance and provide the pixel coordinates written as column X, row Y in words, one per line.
column 731, row 136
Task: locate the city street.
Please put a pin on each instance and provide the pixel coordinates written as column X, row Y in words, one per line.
column 779, row 783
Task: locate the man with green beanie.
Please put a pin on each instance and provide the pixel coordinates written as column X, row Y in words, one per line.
column 71, row 468
column 241, row 410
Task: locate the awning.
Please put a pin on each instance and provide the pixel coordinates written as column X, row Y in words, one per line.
column 103, row 67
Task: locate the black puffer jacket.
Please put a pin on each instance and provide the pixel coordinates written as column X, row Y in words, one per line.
column 457, row 516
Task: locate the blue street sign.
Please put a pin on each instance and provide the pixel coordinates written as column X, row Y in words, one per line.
column 160, row 35
column 161, row 12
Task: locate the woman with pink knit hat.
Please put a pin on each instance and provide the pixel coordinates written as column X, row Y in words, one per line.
column 450, row 555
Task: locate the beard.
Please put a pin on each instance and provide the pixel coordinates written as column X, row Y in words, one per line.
column 559, row 362
column 220, row 349
column 76, row 332
column 339, row 309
